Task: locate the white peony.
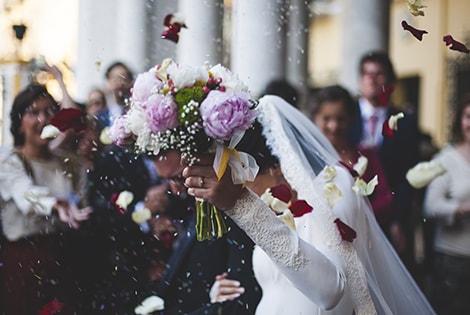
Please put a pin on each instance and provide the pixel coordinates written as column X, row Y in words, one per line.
column 186, row 76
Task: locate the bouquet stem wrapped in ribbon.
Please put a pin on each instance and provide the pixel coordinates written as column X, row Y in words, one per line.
column 191, row 109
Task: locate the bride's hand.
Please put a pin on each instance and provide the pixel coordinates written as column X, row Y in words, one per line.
column 202, row 183
column 225, row 289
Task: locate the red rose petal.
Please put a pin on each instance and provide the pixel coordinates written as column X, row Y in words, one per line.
column 300, row 207
column 281, row 192
column 414, row 31
column 386, row 130
column 69, row 118
column 347, row 233
column 455, row 45
column 52, row 307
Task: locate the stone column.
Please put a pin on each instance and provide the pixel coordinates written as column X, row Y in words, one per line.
column 297, row 38
column 258, row 47
column 365, row 27
column 130, row 33
column 201, row 41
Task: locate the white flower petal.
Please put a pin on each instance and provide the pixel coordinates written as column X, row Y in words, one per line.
column 49, row 131
column 288, row 218
column 149, row 305
column 329, row 173
column 141, row 215
column 365, row 189
column 124, row 199
column 393, row 120
column 104, row 136
column 361, row 165
column 331, row 193
column 423, row 173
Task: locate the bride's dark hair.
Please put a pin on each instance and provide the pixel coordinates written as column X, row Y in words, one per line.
column 254, row 143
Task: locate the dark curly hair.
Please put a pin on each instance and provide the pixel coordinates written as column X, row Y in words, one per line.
column 22, row 101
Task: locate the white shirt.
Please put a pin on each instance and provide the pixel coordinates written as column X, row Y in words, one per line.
column 367, row 111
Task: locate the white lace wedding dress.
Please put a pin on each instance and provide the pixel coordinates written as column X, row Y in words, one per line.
column 312, row 270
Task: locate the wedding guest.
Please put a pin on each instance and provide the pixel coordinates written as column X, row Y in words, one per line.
column 96, row 101
column 333, row 111
column 282, row 88
column 316, row 268
column 119, row 79
column 447, row 203
column 398, row 153
column 39, row 204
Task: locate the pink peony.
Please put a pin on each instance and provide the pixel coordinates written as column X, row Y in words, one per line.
column 144, row 85
column 119, row 133
column 162, row 112
column 224, row 114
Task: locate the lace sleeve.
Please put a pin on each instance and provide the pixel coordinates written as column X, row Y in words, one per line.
column 302, row 263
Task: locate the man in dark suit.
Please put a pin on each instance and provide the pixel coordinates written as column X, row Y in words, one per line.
column 398, row 153
column 192, row 269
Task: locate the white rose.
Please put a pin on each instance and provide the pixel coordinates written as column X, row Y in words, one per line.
column 423, row 173
column 230, row 81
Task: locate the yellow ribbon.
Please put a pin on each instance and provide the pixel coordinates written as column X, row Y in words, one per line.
column 225, row 158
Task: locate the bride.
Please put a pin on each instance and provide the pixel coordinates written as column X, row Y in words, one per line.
column 314, row 268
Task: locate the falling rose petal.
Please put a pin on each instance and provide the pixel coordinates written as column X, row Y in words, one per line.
column 173, row 23
column 347, row 233
column 390, row 125
column 365, row 189
column 331, row 193
column 423, row 173
column 414, row 31
column 166, row 238
column 351, row 170
column 124, row 199
column 361, row 165
column 287, row 218
column 276, row 204
column 281, row 192
column 113, row 199
column 455, row 45
column 141, row 215
column 49, row 132
column 300, row 207
column 69, row 118
column 329, row 173
column 414, row 6
column 384, row 95
column 53, row 307
column 149, row 305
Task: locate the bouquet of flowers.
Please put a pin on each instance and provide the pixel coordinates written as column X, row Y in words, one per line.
column 193, row 110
